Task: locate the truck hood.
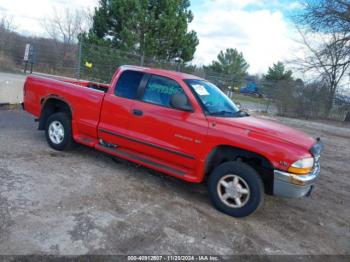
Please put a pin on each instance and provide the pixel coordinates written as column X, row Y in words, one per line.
column 271, row 129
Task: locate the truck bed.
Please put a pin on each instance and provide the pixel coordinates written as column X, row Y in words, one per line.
column 84, row 98
column 85, row 83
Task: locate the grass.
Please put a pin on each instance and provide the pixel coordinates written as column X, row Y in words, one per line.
column 252, row 99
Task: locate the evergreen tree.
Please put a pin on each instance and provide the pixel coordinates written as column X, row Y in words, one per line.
column 151, row 28
column 278, row 72
column 230, row 63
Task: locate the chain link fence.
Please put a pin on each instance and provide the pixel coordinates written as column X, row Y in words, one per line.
column 50, row 56
column 84, row 60
column 98, row 63
column 93, row 62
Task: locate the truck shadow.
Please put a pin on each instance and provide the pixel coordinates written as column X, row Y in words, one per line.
column 189, row 192
column 187, row 189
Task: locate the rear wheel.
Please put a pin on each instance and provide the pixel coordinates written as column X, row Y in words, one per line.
column 236, row 189
column 58, row 131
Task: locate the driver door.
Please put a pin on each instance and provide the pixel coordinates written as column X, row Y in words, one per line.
column 164, row 132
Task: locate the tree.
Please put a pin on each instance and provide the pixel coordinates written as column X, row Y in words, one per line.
column 330, row 60
column 67, row 25
column 279, row 85
column 7, row 28
column 326, row 36
column 150, row 28
column 6, row 23
column 325, row 15
column 230, row 63
column 277, row 72
column 7, row 38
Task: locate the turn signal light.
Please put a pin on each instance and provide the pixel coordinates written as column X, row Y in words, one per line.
column 301, row 171
column 302, row 166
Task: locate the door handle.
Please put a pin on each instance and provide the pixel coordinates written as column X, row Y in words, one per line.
column 137, row 112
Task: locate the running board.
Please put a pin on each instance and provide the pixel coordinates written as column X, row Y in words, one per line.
column 85, row 140
column 139, row 159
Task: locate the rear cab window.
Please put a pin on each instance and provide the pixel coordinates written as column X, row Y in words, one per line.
column 128, row 84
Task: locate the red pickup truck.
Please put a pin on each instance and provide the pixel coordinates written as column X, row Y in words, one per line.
column 181, row 125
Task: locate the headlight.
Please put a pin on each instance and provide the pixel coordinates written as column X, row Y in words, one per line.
column 302, row 166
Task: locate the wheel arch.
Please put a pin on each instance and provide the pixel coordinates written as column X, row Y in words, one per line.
column 53, row 104
column 224, row 153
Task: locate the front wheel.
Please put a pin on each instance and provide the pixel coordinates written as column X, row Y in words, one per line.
column 58, row 131
column 235, row 189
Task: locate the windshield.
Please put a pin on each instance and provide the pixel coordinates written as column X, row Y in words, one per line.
column 214, row 101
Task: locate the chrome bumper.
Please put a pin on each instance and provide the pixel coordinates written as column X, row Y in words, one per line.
column 290, row 185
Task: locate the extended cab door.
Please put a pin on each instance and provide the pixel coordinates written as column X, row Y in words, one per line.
column 163, row 132
column 116, row 109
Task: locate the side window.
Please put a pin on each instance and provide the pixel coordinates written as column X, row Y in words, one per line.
column 159, row 90
column 128, row 84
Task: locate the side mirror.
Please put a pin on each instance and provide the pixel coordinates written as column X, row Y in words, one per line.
column 180, row 101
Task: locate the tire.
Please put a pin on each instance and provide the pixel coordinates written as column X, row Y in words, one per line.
column 232, row 180
column 62, row 139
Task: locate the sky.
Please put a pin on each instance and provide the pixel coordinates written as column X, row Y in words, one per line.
column 261, row 29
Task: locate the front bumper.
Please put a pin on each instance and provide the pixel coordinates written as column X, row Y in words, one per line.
column 290, row 185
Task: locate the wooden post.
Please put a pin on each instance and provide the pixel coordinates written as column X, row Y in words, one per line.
column 79, row 61
column 347, row 118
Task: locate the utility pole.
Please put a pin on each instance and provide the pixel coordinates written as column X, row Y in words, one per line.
column 142, row 61
column 178, row 61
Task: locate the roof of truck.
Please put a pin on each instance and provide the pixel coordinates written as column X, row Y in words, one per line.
column 162, row 72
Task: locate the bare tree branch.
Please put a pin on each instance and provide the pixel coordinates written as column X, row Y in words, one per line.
column 67, row 25
column 6, row 23
column 327, row 58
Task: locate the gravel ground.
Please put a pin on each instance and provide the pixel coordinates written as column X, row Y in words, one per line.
column 84, row 202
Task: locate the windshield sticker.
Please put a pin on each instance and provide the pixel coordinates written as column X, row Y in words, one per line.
column 200, row 90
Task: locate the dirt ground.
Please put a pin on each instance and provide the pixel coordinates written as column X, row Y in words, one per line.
column 84, row 202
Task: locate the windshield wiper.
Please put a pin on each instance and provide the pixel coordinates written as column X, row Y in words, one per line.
column 239, row 113
column 222, row 112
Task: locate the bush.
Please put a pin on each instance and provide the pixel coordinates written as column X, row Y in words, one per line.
column 295, row 99
column 7, row 64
